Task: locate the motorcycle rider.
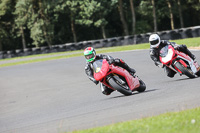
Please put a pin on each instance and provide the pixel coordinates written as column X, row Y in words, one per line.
column 156, row 45
column 90, row 56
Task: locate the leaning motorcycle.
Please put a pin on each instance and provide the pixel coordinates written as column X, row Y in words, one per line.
column 117, row 78
column 179, row 62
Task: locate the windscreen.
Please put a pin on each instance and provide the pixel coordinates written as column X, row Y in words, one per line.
column 97, row 65
column 164, row 51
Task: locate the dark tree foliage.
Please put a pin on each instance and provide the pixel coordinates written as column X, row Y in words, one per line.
column 36, row 23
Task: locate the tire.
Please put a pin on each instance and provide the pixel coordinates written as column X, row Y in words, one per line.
column 198, row 73
column 142, row 86
column 124, row 89
column 185, row 70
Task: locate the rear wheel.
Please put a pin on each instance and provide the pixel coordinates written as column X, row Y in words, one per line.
column 198, row 73
column 122, row 88
column 185, row 70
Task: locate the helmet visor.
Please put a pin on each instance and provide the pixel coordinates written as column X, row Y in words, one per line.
column 154, row 42
column 90, row 57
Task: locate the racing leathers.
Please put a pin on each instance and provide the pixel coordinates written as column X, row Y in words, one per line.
column 154, row 54
column 118, row 62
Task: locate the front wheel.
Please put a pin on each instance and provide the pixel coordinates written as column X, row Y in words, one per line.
column 122, row 88
column 142, row 86
column 185, row 70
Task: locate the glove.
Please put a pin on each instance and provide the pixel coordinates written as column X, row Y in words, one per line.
column 176, row 47
column 111, row 61
column 96, row 82
column 93, row 80
column 161, row 65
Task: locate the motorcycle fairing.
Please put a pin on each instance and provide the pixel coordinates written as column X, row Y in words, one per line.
column 132, row 82
column 168, row 55
column 102, row 70
column 185, row 58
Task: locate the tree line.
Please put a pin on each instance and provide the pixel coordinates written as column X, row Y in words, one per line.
column 36, row 23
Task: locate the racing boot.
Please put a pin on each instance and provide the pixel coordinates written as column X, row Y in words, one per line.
column 190, row 54
column 193, row 57
column 130, row 70
column 122, row 64
column 183, row 48
column 105, row 90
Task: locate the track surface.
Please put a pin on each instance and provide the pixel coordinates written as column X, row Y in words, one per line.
column 56, row 96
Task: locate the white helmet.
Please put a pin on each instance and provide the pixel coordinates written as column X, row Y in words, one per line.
column 154, row 40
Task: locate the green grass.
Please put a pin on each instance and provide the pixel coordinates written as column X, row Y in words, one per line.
column 190, row 42
column 176, row 122
column 38, row 60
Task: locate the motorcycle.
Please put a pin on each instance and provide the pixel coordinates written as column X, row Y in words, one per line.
column 179, row 62
column 117, row 78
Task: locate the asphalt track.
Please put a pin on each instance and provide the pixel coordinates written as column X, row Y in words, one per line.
column 56, row 96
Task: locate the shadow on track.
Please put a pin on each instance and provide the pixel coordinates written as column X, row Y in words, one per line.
column 134, row 94
column 186, row 78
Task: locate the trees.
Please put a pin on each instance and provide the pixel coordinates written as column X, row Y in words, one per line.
column 180, row 13
column 104, row 8
column 171, row 14
column 122, row 18
column 36, row 16
column 193, row 9
column 22, row 14
column 133, row 16
column 154, row 15
column 144, row 21
column 36, row 23
column 70, row 7
column 6, row 20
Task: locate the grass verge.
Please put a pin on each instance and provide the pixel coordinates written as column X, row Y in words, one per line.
column 190, row 42
column 32, row 60
column 177, row 122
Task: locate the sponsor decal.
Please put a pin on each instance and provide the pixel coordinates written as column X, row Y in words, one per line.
column 98, row 69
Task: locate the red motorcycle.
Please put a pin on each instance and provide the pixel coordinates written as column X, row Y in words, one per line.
column 117, row 78
column 179, row 62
